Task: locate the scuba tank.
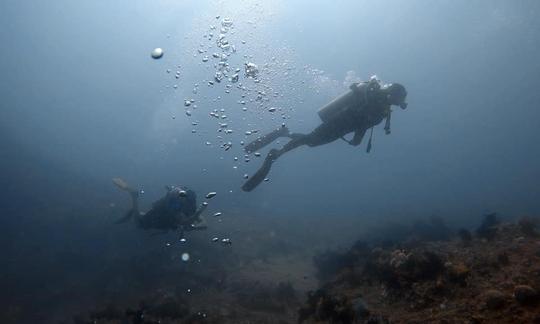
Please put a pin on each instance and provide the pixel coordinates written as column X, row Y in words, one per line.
column 341, row 103
column 358, row 95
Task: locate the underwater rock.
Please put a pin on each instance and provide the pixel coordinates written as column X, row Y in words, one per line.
column 529, row 226
column 502, row 259
column 488, row 228
column 421, row 266
column 398, row 258
column 326, row 308
column 494, row 299
column 457, row 272
column 330, row 263
column 360, row 308
column 525, row 294
column 400, row 270
column 439, row 280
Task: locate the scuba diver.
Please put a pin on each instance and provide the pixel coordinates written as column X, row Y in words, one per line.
column 176, row 211
column 364, row 106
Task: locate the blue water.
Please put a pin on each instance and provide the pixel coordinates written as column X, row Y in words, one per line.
column 83, row 102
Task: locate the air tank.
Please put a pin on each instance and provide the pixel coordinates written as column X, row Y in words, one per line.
column 355, row 96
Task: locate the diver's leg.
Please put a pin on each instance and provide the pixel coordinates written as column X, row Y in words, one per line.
column 319, row 136
column 296, row 141
column 262, row 141
column 133, row 211
column 273, row 155
column 323, row 134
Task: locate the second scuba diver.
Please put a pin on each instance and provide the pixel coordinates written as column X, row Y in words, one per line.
column 358, row 110
column 176, row 211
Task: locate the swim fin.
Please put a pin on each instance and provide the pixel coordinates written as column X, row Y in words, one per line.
column 134, row 194
column 122, row 185
column 261, row 174
column 126, row 217
column 262, row 141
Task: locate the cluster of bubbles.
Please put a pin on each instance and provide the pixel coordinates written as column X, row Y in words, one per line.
column 264, row 90
column 266, row 87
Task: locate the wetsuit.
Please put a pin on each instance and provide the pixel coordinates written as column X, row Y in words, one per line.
column 352, row 120
column 170, row 212
column 356, row 118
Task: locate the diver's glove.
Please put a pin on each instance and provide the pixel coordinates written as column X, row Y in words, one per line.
column 200, row 224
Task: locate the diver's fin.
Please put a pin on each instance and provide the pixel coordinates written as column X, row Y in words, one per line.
column 260, row 175
column 134, row 194
column 262, row 141
column 122, row 185
column 126, row 217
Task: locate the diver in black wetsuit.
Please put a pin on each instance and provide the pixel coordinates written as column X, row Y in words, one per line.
column 176, row 211
column 366, row 105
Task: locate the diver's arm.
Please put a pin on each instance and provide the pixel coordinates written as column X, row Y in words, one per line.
column 195, row 217
column 358, row 136
column 201, row 224
column 196, row 221
column 199, row 211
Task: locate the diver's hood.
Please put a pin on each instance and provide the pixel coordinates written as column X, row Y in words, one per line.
column 396, row 94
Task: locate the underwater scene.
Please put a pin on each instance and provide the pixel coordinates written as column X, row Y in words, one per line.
column 284, row 161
